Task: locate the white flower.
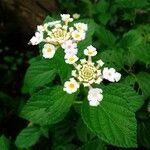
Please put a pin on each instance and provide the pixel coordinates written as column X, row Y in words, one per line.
column 38, row 38
column 42, row 28
column 111, row 74
column 81, row 26
column 70, row 47
column 71, row 86
column 78, row 36
column 76, row 16
column 117, row 76
column 90, row 51
column 70, row 59
column 71, row 51
column 95, row 96
column 53, row 23
column 49, row 51
column 100, row 62
column 66, row 18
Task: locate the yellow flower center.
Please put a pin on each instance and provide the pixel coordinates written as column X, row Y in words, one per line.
column 49, row 50
column 71, row 59
column 90, row 52
column 77, row 35
column 87, row 72
column 71, row 85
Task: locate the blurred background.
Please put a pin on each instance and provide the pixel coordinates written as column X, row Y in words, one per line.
column 18, row 21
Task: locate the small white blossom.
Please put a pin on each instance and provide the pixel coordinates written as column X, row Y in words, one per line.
column 71, row 59
column 78, row 36
column 100, row 62
column 38, row 38
column 90, row 51
column 53, row 23
column 111, row 75
column 76, row 16
column 81, row 26
column 95, row 96
column 42, row 28
column 117, row 76
column 49, row 51
column 66, row 18
column 69, row 45
column 71, row 86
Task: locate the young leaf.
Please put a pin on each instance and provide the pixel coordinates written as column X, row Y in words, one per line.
column 48, row 106
column 114, row 119
column 28, row 137
column 40, row 73
column 4, row 143
column 93, row 145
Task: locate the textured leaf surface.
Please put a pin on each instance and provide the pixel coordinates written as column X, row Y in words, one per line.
column 93, row 145
column 142, row 53
column 113, row 58
column 142, row 79
column 114, row 119
column 28, row 137
column 48, row 106
column 64, row 69
column 40, row 73
column 4, row 143
column 106, row 36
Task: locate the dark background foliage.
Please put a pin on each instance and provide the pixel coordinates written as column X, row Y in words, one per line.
column 18, row 21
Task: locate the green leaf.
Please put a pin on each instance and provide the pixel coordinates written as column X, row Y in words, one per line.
column 40, row 73
column 28, row 137
column 49, row 19
column 113, row 58
column 131, row 39
column 142, row 79
column 144, row 133
column 93, row 145
column 83, row 133
column 114, row 119
column 64, row 69
column 4, row 143
column 48, row 106
column 132, row 3
column 102, row 6
column 104, row 18
column 105, row 36
column 141, row 52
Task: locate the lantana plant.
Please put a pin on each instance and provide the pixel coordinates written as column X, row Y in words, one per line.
column 73, row 73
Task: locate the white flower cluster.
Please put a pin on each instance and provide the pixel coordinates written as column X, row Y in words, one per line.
column 88, row 73
column 59, row 34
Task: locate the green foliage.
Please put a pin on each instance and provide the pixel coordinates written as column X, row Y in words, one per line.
column 40, row 73
column 114, row 120
column 48, row 106
column 28, row 137
column 4, row 143
column 120, row 31
column 142, row 79
column 95, row 144
column 107, row 38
